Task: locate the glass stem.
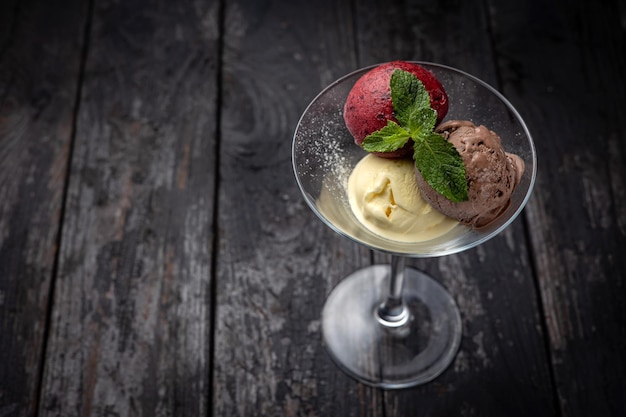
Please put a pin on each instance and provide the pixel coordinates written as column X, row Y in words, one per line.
column 392, row 312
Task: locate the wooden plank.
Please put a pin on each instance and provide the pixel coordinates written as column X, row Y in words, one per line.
column 131, row 324
column 40, row 46
column 567, row 75
column 277, row 261
column 503, row 346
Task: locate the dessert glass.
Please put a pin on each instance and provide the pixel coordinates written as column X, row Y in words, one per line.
column 391, row 326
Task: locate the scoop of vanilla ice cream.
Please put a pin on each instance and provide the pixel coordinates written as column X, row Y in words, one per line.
column 384, row 197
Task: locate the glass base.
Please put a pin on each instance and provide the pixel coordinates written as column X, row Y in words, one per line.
column 391, row 356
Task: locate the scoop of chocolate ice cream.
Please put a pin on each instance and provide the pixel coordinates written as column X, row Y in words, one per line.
column 491, row 174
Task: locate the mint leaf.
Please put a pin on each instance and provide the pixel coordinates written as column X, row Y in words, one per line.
column 441, row 166
column 388, row 139
column 422, row 123
column 408, row 96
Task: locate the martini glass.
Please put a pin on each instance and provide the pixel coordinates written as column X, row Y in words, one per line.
column 391, row 326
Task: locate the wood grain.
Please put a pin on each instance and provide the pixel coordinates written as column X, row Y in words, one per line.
column 277, row 262
column 131, row 325
column 567, row 77
column 40, row 48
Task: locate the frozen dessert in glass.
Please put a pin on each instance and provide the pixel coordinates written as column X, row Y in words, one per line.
column 458, row 169
column 393, row 326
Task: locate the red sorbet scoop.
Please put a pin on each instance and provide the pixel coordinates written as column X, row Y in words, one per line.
column 368, row 106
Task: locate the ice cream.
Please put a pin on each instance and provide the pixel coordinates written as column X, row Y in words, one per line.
column 391, row 111
column 491, row 174
column 369, row 105
column 384, row 197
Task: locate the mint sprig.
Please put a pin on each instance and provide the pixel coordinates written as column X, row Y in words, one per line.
column 438, row 161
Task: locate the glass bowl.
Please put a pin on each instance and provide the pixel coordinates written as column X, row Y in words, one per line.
column 324, row 154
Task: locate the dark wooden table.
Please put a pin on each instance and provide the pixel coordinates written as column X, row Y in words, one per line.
column 156, row 256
